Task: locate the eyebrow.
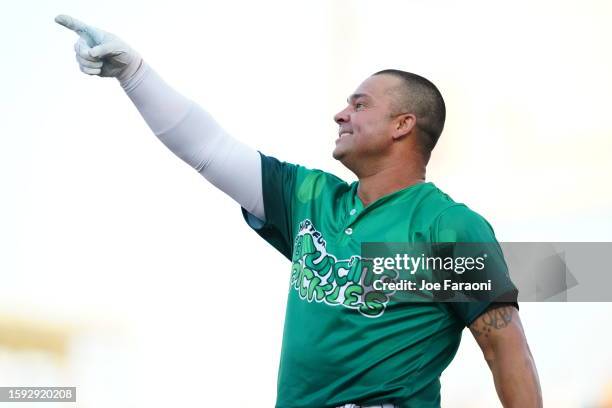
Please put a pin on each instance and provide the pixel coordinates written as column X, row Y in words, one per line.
column 356, row 96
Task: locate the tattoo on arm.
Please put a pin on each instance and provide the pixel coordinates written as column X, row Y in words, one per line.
column 493, row 319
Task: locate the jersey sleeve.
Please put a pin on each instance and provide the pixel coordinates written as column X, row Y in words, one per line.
column 278, row 188
column 468, row 234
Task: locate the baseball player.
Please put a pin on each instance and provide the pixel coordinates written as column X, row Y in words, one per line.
column 345, row 344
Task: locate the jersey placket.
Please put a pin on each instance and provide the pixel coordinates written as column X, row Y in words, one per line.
column 354, row 213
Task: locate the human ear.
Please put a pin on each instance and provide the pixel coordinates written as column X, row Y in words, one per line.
column 404, row 124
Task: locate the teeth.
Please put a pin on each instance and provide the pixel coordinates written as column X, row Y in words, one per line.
column 344, row 134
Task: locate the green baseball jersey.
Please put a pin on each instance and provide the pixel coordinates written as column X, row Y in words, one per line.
column 343, row 342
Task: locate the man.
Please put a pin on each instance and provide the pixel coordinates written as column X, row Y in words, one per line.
column 345, row 344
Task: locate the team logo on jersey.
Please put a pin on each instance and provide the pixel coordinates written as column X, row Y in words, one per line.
column 319, row 276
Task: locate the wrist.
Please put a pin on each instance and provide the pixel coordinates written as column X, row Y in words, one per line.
column 133, row 75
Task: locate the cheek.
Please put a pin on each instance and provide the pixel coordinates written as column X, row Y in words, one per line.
column 369, row 133
column 362, row 126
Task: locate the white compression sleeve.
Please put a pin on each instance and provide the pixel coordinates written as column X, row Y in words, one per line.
column 194, row 136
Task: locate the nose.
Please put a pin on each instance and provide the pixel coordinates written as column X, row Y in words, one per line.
column 342, row 116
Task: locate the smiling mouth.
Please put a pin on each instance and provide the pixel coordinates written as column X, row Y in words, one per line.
column 343, row 134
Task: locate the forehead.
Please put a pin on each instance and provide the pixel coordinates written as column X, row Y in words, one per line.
column 378, row 86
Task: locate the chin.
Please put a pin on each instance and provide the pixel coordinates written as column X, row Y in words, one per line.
column 338, row 154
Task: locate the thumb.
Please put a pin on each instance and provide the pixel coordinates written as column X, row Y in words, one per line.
column 103, row 50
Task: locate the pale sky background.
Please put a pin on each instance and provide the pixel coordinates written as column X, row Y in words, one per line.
column 106, row 235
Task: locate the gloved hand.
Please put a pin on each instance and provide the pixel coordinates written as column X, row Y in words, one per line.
column 101, row 53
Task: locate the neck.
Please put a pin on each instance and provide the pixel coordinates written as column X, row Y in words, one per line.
column 389, row 180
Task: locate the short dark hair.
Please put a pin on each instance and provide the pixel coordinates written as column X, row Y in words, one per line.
column 421, row 97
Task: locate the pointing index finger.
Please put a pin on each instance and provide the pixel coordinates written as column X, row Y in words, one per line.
column 86, row 32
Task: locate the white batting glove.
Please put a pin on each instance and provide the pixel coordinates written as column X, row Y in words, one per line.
column 101, row 53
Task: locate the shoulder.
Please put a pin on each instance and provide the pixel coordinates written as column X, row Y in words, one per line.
column 461, row 216
column 431, row 203
column 305, row 183
column 455, row 221
column 460, row 223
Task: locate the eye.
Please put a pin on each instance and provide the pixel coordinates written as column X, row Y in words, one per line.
column 359, row 106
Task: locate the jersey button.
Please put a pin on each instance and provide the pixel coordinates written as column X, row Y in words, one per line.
column 353, row 211
column 348, row 231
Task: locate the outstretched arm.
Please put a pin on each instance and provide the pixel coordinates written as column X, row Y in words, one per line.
column 182, row 125
column 500, row 335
